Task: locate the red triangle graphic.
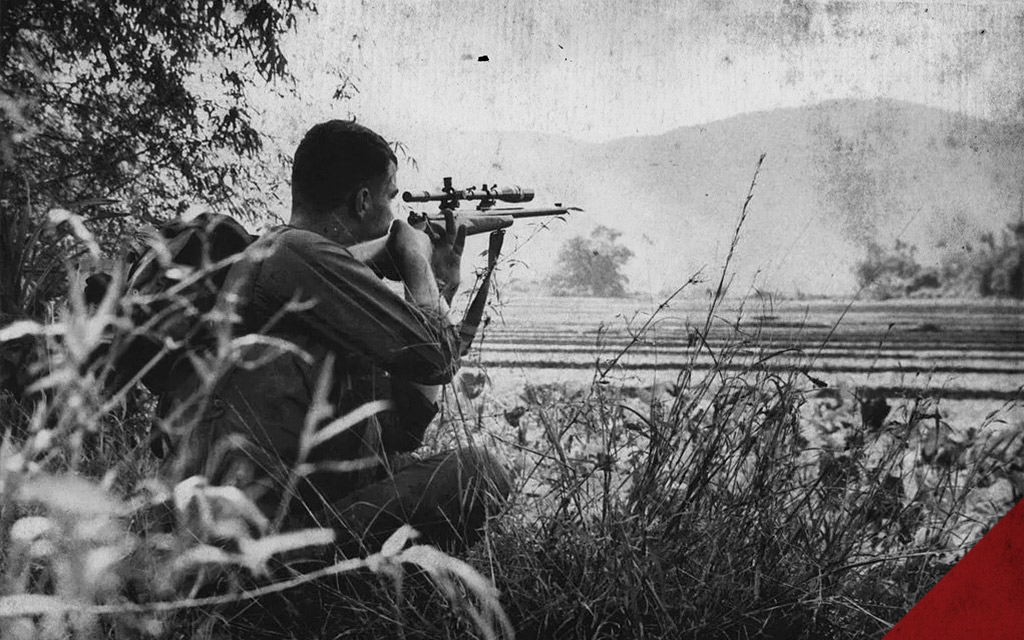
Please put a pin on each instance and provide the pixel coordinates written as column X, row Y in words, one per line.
column 982, row 596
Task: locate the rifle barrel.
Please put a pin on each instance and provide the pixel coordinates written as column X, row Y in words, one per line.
column 519, row 212
column 504, row 212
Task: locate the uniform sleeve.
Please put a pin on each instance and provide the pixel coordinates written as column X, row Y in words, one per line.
column 353, row 311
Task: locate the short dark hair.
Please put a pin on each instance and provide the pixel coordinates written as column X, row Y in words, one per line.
column 333, row 160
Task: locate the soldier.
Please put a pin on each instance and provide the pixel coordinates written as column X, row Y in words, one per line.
column 308, row 290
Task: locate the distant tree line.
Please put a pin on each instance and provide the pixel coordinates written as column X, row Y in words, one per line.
column 993, row 266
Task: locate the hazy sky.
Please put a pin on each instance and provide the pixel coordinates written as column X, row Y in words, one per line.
column 596, row 70
column 601, row 69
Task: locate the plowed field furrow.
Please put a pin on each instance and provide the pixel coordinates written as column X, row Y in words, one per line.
column 784, row 351
column 707, row 363
column 878, row 330
column 962, row 350
column 1003, row 346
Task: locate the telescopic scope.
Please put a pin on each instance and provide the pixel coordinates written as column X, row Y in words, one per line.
column 487, row 193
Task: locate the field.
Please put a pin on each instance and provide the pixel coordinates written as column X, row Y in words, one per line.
column 968, row 354
column 759, row 431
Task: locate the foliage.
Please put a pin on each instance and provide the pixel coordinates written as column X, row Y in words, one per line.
column 591, row 266
column 995, row 265
column 991, row 267
column 141, row 102
column 889, row 273
column 95, row 540
column 737, row 502
column 732, row 503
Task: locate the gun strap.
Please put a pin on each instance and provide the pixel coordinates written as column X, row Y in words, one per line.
column 475, row 312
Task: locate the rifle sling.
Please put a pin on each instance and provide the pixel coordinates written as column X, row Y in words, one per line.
column 475, row 312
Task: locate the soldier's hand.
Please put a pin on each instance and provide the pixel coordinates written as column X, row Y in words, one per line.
column 446, row 257
column 409, row 248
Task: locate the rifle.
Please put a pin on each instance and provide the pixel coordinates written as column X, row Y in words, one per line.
column 485, row 218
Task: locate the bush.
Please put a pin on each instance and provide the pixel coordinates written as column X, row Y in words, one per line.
column 992, row 267
column 126, row 113
column 731, row 505
column 891, row 273
column 94, row 543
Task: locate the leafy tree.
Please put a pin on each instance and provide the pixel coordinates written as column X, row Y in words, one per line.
column 887, row 273
column 140, row 101
column 592, row 266
column 993, row 266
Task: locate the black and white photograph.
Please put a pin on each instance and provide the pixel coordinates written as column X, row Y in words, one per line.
column 524, row 319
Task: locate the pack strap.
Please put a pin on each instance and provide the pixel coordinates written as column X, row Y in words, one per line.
column 475, row 312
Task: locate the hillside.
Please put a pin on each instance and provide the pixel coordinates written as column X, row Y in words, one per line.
column 837, row 176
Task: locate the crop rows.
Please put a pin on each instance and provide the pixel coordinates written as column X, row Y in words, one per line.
column 954, row 350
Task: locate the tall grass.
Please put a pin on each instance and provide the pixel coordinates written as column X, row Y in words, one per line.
column 735, row 502
column 79, row 489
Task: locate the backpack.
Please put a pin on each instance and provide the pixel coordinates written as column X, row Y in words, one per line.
column 171, row 284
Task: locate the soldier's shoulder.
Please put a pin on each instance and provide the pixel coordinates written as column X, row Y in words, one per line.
column 288, row 236
column 301, row 242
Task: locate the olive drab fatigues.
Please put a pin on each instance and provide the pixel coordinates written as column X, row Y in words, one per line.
column 302, row 300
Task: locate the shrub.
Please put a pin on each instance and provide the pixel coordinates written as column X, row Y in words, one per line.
column 889, row 273
column 738, row 503
column 991, row 267
column 94, row 543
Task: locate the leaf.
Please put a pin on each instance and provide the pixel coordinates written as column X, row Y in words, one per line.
column 239, row 347
column 204, row 554
column 28, row 529
column 23, row 328
column 257, row 552
column 33, row 537
column 338, row 466
column 78, row 229
column 396, row 542
column 217, row 512
column 186, row 489
column 56, row 379
column 442, row 568
column 437, row 562
column 232, row 502
column 31, row 604
column 100, row 566
column 350, row 419
column 69, row 494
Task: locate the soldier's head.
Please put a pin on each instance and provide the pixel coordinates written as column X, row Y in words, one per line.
column 343, row 178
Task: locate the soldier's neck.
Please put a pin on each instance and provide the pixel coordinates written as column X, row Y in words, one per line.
column 331, row 226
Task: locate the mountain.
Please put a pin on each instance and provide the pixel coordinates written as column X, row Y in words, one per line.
column 836, row 177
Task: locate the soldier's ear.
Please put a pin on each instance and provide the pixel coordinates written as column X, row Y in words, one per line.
column 361, row 202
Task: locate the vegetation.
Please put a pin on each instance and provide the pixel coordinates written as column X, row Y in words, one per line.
column 121, row 112
column 991, row 267
column 737, row 502
column 591, row 266
column 94, row 543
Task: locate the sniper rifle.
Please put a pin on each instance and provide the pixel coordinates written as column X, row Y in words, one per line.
column 485, row 218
